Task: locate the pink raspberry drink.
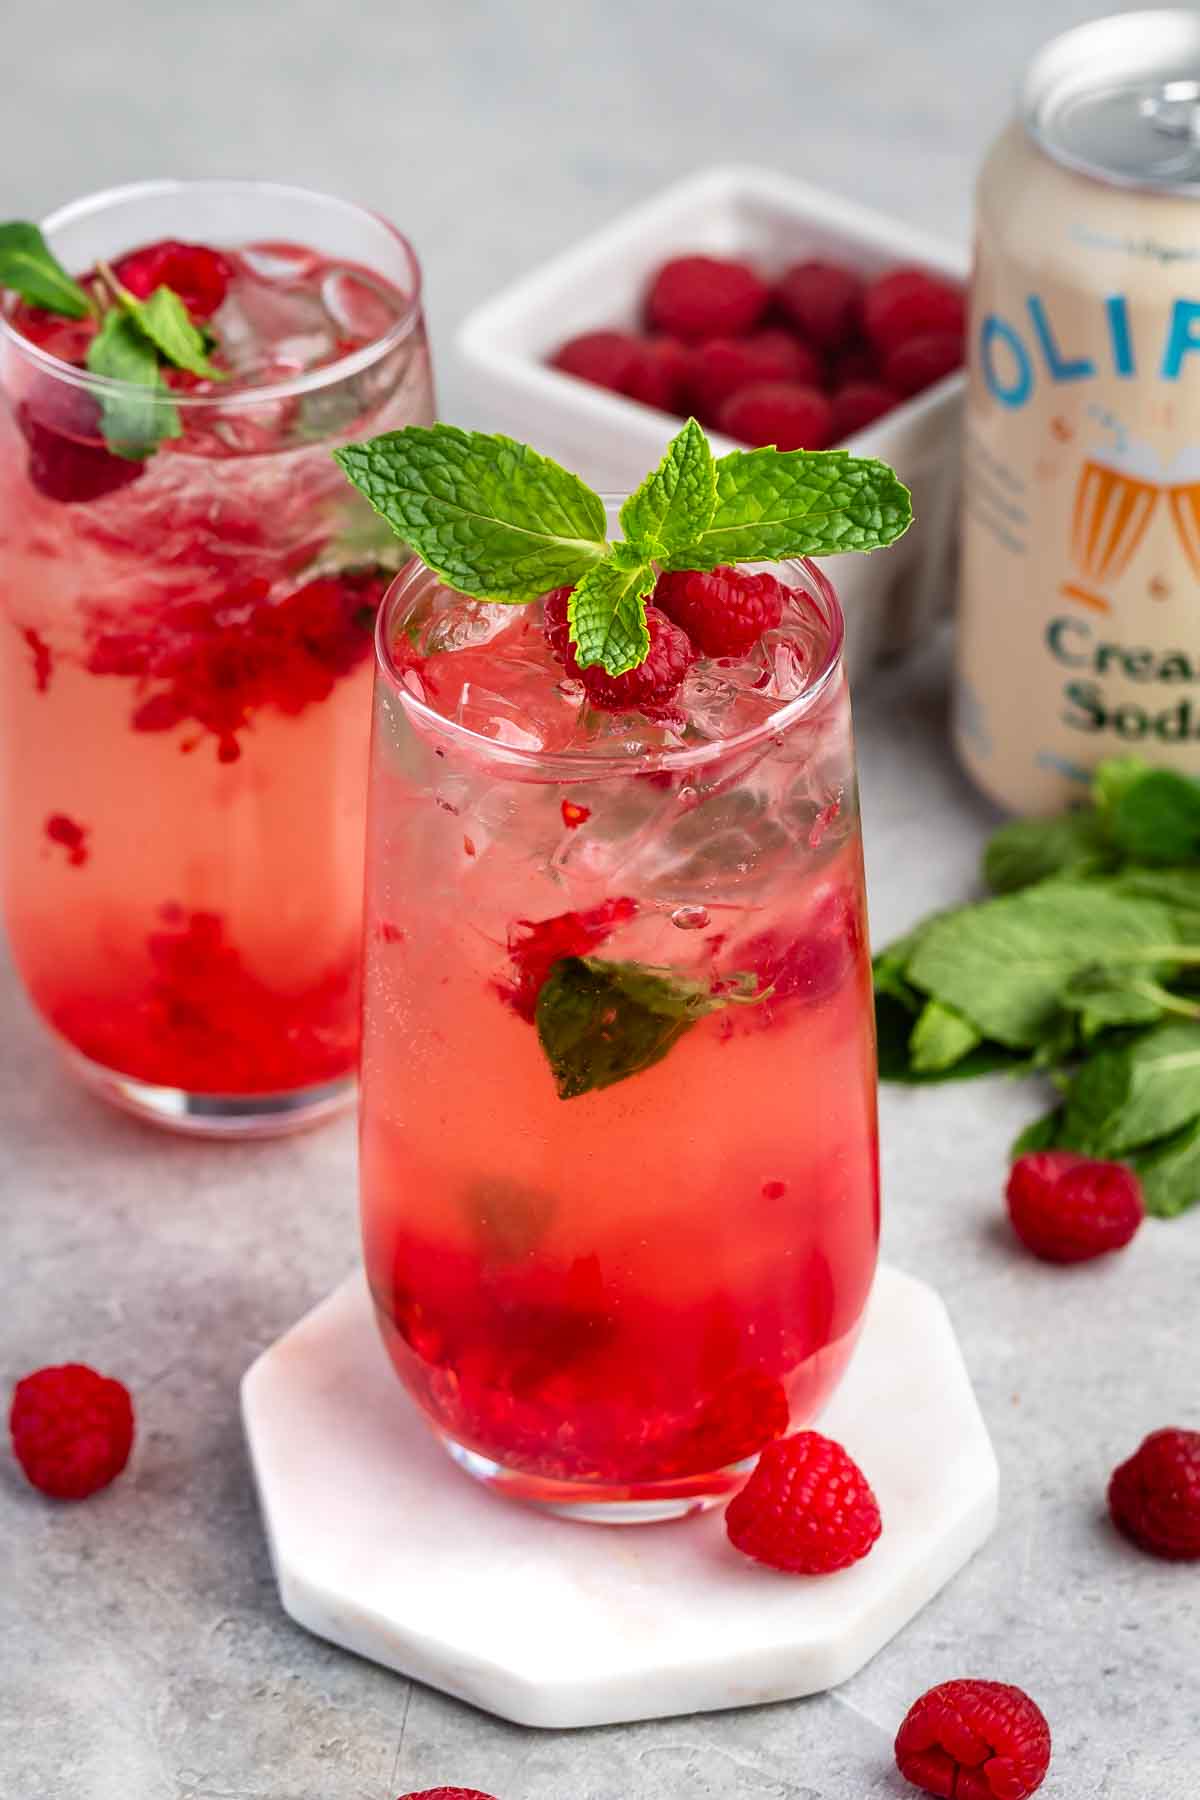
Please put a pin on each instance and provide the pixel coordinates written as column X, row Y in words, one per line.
column 618, row 1131
column 185, row 640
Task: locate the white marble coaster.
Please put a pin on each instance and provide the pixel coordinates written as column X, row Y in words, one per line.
column 383, row 1546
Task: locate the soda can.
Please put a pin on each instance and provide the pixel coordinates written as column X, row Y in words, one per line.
column 1079, row 629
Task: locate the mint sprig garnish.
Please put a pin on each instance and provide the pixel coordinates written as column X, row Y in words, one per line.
column 607, row 611
column 1087, row 966
column 499, row 522
column 29, row 267
column 489, row 515
column 674, row 505
column 135, row 340
column 601, row 1022
column 137, row 417
column 772, row 504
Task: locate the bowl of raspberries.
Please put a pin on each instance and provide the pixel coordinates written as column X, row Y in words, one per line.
column 776, row 314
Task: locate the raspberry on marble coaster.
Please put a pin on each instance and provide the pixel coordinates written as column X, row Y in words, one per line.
column 807, row 1509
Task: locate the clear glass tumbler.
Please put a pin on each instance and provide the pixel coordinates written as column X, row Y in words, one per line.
column 185, row 658
column 619, row 1150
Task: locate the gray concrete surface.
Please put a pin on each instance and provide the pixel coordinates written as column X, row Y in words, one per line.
column 143, row 1655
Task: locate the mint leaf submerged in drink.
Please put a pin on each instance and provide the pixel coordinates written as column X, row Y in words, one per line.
column 499, row 522
column 601, row 1022
column 1087, row 966
column 29, row 267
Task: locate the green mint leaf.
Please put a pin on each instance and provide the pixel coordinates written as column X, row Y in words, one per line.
column 1113, row 779
column 940, row 1038
column 780, row 503
column 1004, row 963
column 888, row 970
column 29, row 267
column 894, row 1025
column 1030, row 850
column 490, row 516
column 1040, row 1134
column 1170, row 1173
column 601, row 1022
column 1127, row 1096
column 1156, row 818
column 607, row 611
column 675, row 503
column 1106, row 998
column 137, row 419
column 1176, row 889
column 163, row 319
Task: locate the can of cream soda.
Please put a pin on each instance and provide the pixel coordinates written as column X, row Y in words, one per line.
column 1079, row 626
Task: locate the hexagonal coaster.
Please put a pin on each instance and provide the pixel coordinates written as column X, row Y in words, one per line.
column 383, row 1546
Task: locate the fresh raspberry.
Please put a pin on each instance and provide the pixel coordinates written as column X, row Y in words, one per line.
column 1068, row 1208
column 662, row 379
column 649, row 688
column 199, row 276
column 645, row 369
column 823, row 300
column 535, row 945
column 807, row 1508
column 859, row 404
column 908, row 303
column 608, row 359
column 448, row 1794
column 68, row 460
column 784, row 413
column 695, row 297
column 72, row 1430
column 920, row 361
column 974, row 1740
column 718, row 369
column 724, row 611
column 1154, row 1498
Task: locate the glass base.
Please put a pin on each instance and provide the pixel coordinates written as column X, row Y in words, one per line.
column 216, row 1115
column 648, row 1503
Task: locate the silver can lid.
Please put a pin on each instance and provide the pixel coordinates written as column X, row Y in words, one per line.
column 1119, row 99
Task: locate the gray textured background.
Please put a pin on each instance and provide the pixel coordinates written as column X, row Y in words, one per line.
column 143, row 1655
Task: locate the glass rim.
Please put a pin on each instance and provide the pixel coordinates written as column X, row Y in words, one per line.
column 577, row 765
column 310, row 381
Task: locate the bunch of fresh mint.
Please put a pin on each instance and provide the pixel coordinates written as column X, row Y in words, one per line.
column 135, row 340
column 1086, row 965
column 500, row 522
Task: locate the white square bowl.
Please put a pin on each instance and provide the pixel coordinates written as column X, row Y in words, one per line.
column 772, row 220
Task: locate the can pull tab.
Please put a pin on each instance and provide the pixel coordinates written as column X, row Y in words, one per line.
column 1174, row 110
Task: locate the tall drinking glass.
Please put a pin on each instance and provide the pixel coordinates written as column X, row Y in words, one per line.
column 619, row 1153
column 185, row 655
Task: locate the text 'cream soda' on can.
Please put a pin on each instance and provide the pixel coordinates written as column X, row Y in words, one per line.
column 1079, row 633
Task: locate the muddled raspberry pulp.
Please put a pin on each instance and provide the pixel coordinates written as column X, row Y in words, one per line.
column 186, row 642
